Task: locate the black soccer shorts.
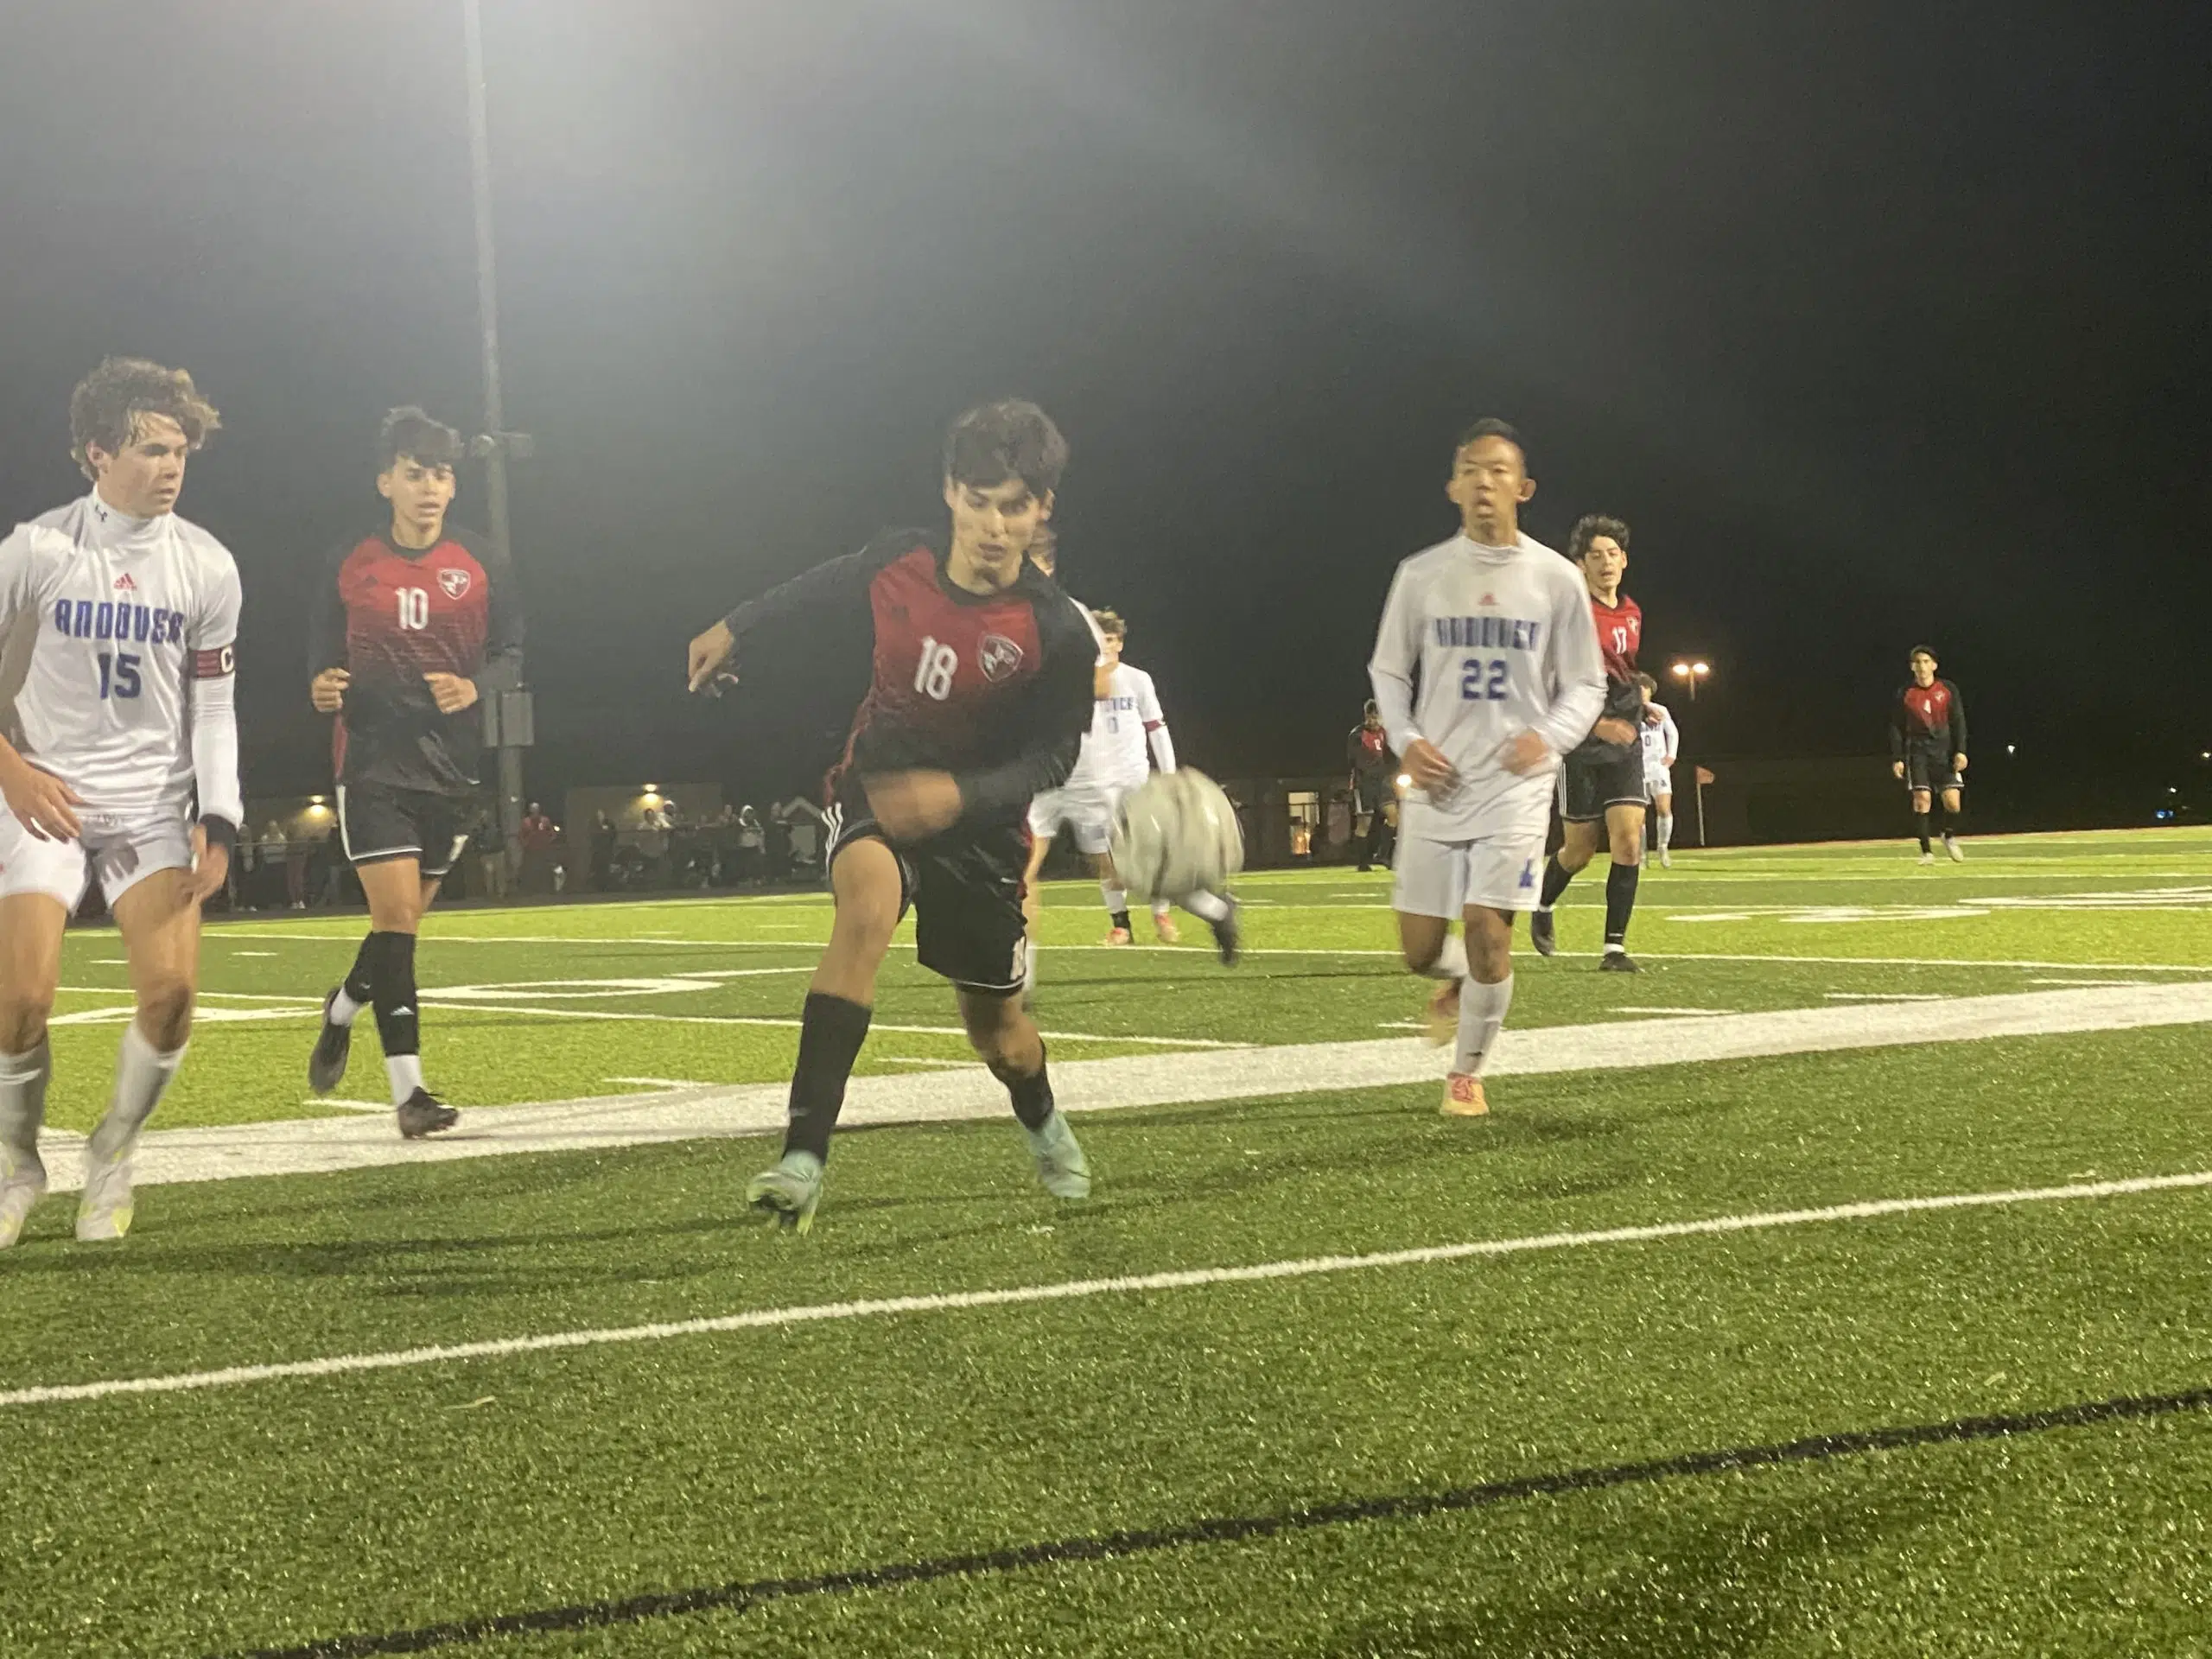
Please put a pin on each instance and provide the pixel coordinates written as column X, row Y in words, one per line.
column 964, row 887
column 377, row 823
column 1594, row 778
column 1931, row 770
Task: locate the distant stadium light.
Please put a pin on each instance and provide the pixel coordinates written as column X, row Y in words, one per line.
column 2012, row 748
column 316, row 800
column 1690, row 670
column 652, row 789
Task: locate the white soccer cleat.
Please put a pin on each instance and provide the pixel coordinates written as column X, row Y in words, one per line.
column 23, row 1183
column 1928, row 858
column 1954, row 851
column 1666, row 859
column 104, row 1212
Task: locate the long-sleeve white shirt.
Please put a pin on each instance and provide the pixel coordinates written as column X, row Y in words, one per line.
column 1122, row 722
column 127, row 691
column 1661, row 742
column 1479, row 645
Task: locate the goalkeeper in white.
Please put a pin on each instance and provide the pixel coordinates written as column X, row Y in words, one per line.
column 124, row 717
column 1491, row 632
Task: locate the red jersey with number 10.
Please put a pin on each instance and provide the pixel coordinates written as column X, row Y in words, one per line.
column 389, row 615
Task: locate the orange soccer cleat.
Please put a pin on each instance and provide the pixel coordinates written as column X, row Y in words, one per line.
column 1463, row 1097
column 1118, row 936
column 1164, row 926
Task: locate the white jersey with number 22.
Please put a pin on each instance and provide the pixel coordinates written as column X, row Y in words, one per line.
column 1477, row 645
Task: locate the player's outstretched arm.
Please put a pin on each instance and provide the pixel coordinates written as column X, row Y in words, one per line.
column 1155, row 725
column 838, row 587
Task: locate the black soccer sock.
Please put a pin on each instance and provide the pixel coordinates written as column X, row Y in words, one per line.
column 1620, row 901
column 1921, row 819
column 361, row 978
column 392, row 973
column 1032, row 1095
column 1121, row 918
column 1951, row 820
column 830, row 1033
column 1555, row 880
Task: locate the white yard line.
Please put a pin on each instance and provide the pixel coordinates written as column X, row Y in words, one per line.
column 323, row 1145
column 1629, row 1008
column 1078, row 1289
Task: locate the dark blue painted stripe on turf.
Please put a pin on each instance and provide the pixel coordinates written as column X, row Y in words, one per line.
column 637, row 1609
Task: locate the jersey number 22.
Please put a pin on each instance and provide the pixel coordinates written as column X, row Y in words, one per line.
column 1481, row 680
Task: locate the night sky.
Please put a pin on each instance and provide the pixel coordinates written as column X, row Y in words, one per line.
column 1880, row 323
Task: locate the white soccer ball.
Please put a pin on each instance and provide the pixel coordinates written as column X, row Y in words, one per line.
column 1175, row 835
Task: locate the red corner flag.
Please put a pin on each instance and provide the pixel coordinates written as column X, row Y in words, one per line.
column 1704, row 775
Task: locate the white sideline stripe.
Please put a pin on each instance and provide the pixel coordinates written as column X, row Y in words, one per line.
column 1302, row 950
column 317, row 1145
column 1076, row 1289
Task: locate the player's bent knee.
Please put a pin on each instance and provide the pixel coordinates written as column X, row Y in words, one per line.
column 23, row 1014
column 165, row 1010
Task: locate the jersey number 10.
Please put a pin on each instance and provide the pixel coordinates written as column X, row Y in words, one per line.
column 413, row 606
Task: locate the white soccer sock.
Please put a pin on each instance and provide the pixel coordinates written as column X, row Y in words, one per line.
column 1206, row 906
column 1028, row 966
column 343, row 1008
column 405, row 1073
column 1451, row 962
column 1118, row 898
column 1666, row 823
column 142, row 1074
column 22, row 1096
column 1160, row 908
column 1482, row 1011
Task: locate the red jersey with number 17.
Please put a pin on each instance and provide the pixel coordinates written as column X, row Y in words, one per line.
column 1620, row 635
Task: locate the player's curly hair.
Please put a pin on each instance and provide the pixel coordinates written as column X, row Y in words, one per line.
column 1920, row 651
column 1110, row 624
column 409, row 430
column 1588, row 528
column 1008, row 439
column 108, row 404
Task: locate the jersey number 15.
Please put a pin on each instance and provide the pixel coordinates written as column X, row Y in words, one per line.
column 119, row 675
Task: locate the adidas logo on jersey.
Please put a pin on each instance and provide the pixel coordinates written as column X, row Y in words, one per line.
column 124, row 584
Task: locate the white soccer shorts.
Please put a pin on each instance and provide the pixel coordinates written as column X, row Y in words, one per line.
column 120, row 848
column 1088, row 814
column 1658, row 781
column 1442, row 878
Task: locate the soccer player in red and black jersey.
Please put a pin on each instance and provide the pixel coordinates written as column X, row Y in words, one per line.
column 416, row 623
column 1928, row 750
column 1601, row 784
column 979, row 696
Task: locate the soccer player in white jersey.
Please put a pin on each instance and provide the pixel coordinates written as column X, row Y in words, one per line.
column 1126, row 721
column 1662, row 741
column 125, row 715
column 1487, row 670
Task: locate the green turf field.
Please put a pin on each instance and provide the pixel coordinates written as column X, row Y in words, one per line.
column 1716, row 1377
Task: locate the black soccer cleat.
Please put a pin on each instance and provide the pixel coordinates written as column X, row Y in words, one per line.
column 423, row 1113
column 1617, row 962
column 1541, row 934
column 1229, row 937
column 333, row 1045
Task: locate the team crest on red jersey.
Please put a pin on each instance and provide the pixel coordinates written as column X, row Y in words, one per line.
column 998, row 657
column 454, row 581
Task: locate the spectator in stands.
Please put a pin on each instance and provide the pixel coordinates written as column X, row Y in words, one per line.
column 655, row 835
column 538, row 833
column 602, row 853
column 752, row 845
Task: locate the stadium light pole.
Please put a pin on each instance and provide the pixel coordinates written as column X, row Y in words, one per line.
column 1690, row 672
column 508, row 720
